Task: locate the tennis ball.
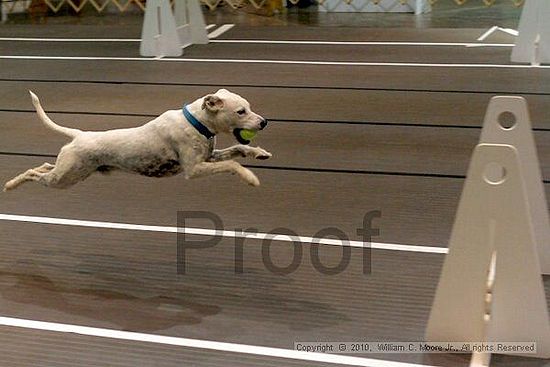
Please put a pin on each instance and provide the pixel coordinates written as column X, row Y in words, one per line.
column 247, row 134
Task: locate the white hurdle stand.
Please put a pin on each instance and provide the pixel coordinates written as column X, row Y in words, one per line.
column 533, row 42
column 491, row 287
column 191, row 26
column 3, row 12
column 520, row 135
column 165, row 34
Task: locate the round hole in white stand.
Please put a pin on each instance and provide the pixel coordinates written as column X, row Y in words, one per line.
column 494, row 174
column 507, row 120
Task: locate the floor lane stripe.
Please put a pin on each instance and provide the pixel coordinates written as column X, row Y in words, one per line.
column 201, row 344
column 284, row 62
column 275, row 42
column 220, row 233
column 218, row 32
column 37, row 39
column 364, row 43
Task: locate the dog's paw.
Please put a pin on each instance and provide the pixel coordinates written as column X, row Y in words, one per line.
column 262, row 154
column 10, row 185
column 249, row 177
column 254, row 182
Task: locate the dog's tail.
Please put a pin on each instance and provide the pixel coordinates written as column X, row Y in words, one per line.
column 48, row 122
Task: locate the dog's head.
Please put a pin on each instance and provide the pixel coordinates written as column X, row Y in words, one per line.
column 230, row 113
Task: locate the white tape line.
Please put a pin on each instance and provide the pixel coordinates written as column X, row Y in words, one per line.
column 29, row 39
column 373, row 43
column 275, row 42
column 201, row 344
column 218, row 32
column 493, row 29
column 488, row 33
column 283, row 62
column 229, row 234
column 511, row 31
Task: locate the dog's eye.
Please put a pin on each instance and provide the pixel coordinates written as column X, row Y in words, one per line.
column 241, row 112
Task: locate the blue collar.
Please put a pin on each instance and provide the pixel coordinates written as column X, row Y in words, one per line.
column 197, row 124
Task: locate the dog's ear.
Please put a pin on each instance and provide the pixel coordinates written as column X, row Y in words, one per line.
column 212, row 103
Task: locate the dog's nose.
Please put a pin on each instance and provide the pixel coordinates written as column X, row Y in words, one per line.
column 263, row 124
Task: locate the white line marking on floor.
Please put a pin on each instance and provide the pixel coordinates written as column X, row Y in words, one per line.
column 493, row 29
column 488, row 33
column 218, row 32
column 283, row 62
column 275, row 42
column 224, row 233
column 210, row 26
column 372, row 43
column 27, row 39
column 201, row 344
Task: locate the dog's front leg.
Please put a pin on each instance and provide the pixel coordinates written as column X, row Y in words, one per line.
column 211, row 168
column 238, row 151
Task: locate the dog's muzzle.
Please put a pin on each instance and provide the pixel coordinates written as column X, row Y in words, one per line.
column 263, row 124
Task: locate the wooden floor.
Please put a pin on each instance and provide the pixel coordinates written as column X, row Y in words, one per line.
column 347, row 139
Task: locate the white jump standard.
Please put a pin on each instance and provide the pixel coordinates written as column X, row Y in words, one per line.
column 491, row 288
column 533, row 42
column 166, row 33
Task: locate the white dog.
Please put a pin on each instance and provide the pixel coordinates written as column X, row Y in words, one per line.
column 177, row 141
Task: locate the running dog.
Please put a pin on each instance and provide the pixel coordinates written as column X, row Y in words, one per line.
column 177, row 141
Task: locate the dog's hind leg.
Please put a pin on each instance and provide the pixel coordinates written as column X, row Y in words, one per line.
column 67, row 171
column 33, row 174
column 29, row 175
column 46, row 167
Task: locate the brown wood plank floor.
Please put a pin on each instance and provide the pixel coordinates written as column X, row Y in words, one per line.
column 478, row 79
column 322, row 146
column 21, row 347
column 415, row 210
column 131, row 277
column 343, row 53
column 292, row 104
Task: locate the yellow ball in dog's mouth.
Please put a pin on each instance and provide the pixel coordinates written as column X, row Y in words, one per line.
column 247, row 134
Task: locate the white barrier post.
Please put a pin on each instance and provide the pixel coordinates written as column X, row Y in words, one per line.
column 421, row 7
column 507, row 122
column 190, row 23
column 533, row 42
column 493, row 225
column 159, row 36
column 3, row 12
